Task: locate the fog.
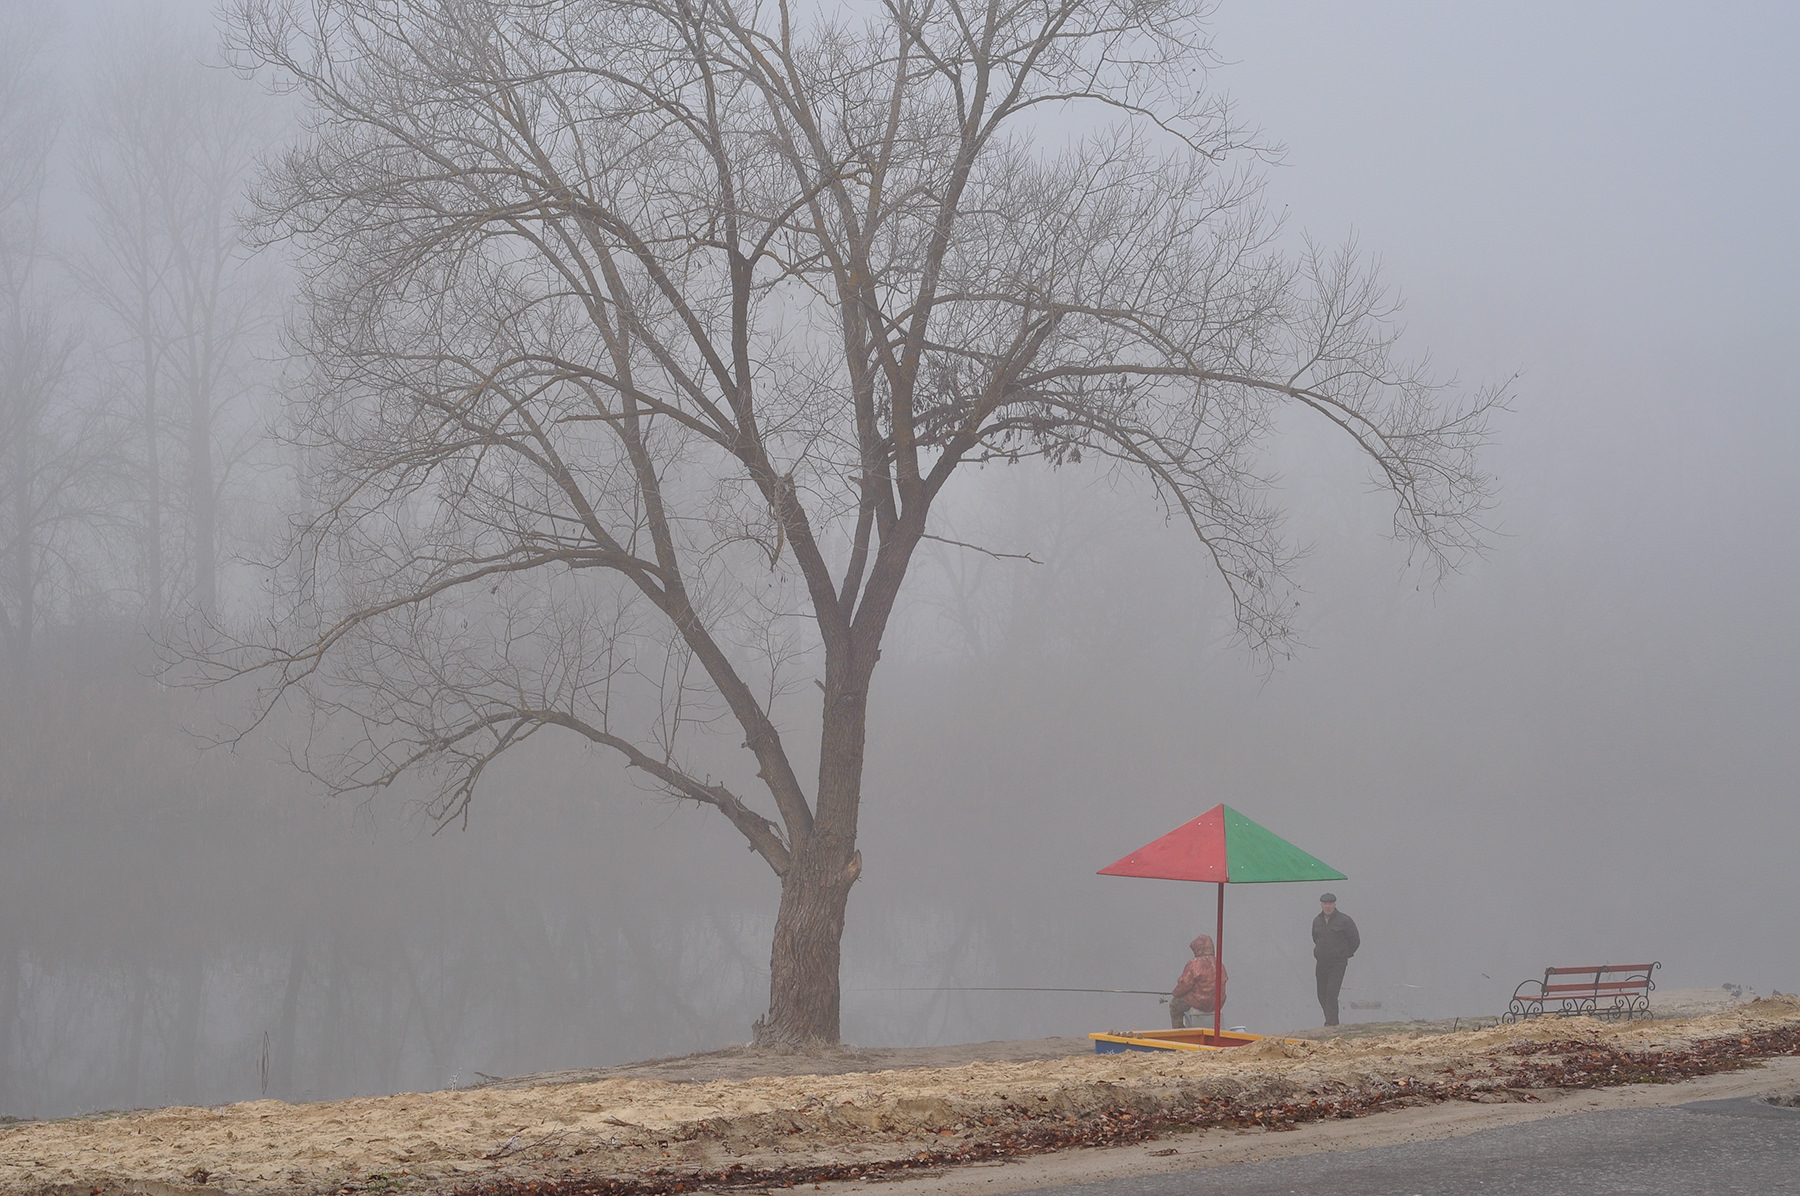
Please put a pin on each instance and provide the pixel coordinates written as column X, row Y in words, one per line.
column 1580, row 746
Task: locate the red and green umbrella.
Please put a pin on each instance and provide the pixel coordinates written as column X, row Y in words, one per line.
column 1222, row 847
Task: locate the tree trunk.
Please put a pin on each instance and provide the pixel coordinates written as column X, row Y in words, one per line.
column 12, row 1086
column 137, row 982
column 24, row 538
column 287, row 1030
column 809, row 928
column 203, row 516
column 182, row 1065
column 152, row 543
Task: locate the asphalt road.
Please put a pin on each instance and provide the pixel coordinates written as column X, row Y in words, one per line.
column 1710, row 1148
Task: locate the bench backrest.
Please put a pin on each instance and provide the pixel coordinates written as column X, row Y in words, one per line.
column 1637, row 976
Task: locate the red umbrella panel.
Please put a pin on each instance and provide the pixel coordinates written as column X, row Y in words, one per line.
column 1222, row 847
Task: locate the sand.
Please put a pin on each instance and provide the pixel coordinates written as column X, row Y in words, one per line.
column 710, row 1114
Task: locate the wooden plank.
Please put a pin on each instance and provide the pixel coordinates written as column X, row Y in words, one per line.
column 1169, row 1040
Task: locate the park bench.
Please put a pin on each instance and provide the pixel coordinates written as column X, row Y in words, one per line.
column 1610, row 990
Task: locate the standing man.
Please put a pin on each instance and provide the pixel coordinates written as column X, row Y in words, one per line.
column 1335, row 940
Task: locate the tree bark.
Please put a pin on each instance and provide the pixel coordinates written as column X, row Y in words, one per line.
column 803, row 960
column 815, row 889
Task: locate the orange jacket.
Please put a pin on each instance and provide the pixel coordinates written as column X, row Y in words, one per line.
column 1203, row 980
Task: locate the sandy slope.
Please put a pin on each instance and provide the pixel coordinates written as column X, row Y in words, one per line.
column 631, row 1124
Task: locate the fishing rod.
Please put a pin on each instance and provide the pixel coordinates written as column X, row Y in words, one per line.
column 984, row 988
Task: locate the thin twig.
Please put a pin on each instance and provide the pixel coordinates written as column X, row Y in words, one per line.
column 999, row 556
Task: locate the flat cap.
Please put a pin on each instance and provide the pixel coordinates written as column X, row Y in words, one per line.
column 1327, row 898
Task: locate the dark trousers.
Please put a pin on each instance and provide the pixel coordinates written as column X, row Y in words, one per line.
column 1330, row 974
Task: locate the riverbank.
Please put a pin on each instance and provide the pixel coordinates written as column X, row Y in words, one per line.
column 751, row 1120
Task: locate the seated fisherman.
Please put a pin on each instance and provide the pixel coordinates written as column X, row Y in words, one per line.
column 1202, row 984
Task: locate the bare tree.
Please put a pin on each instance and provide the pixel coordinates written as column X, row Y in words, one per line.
column 224, row 299
column 43, row 457
column 120, row 170
column 644, row 335
column 172, row 142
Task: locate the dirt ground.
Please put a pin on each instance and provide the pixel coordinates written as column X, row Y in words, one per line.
column 745, row 1063
column 747, row 1120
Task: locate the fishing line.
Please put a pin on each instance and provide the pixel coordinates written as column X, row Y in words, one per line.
column 961, row 988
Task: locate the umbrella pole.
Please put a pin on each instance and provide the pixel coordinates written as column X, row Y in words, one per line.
column 1219, row 968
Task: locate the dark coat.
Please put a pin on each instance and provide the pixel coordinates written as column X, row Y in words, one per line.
column 1335, row 938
